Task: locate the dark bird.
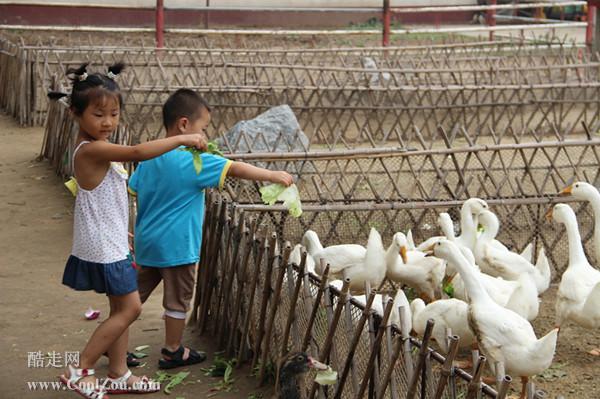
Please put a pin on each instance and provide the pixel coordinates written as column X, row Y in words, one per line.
column 294, row 366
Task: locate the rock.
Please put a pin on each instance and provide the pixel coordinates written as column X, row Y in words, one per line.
column 374, row 78
column 276, row 130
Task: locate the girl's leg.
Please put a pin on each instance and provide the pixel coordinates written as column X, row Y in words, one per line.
column 117, row 352
column 127, row 308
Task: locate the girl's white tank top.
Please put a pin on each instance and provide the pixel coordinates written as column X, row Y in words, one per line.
column 100, row 220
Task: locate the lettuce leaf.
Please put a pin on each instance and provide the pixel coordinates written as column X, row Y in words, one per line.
column 326, row 377
column 289, row 195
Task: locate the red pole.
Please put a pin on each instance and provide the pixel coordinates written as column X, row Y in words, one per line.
column 160, row 23
column 387, row 18
column 591, row 22
column 491, row 18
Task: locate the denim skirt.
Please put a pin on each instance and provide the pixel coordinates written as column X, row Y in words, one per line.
column 117, row 278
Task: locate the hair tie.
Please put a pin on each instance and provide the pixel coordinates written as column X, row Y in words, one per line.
column 83, row 76
column 111, row 75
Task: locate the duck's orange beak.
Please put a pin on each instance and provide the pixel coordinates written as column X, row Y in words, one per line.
column 429, row 250
column 549, row 214
column 403, row 254
column 566, row 191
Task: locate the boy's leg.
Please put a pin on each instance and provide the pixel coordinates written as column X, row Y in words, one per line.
column 148, row 279
column 178, row 291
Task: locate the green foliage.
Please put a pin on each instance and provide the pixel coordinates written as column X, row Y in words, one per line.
column 221, row 367
column 171, row 380
column 289, row 195
column 213, row 148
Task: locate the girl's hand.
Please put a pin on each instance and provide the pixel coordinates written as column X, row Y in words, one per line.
column 194, row 140
column 281, row 177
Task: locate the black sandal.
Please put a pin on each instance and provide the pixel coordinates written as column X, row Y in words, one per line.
column 176, row 358
column 132, row 360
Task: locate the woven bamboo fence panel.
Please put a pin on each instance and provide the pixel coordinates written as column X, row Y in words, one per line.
column 262, row 307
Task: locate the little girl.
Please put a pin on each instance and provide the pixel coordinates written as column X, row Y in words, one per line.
column 99, row 259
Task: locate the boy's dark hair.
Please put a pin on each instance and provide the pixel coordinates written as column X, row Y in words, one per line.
column 90, row 87
column 184, row 103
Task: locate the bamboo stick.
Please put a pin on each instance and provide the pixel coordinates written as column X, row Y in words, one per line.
column 281, row 265
column 315, row 308
column 388, row 377
column 230, row 272
column 447, row 366
column 293, row 301
column 353, row 345
column 423, row 352
column 503, row 389
column 474, row 386
column 259, row 249
column 375, row 349
column 327, row 345
column 222, row 279
column 242, row 277
column 266, row 293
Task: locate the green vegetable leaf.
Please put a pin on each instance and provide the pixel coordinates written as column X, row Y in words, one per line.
column 326, row 377
column 141, row 348
column 176, row 380
column 139, row 355
column 289, row 195
column 197, row 163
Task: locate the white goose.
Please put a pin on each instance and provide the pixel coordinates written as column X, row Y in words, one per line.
column 468, row 221
column 447, row 313
column 296, row 257
column 371, row 267
column 586, row 192
column 413, row 268
column 446, row 225
column 337, row 256
column 399, row 300
column 578, row 298
column 502, row 334
column 504, row 263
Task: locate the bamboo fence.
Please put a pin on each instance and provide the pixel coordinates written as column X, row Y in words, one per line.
column 262, row 307
column 406, row 185
column 332, row 91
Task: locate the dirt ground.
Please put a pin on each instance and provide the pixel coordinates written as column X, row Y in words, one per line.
column 40, row 314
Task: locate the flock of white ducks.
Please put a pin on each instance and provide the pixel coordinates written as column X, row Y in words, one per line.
column 495, row 290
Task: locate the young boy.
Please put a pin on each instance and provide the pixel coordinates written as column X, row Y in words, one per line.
column 168, row 229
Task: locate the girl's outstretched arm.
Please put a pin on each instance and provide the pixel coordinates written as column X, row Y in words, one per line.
column 246, row 171
column 105, row 151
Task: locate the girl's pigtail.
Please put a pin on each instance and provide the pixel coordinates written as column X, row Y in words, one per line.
column 79, row 74
column 115, row 70
column 56, row 95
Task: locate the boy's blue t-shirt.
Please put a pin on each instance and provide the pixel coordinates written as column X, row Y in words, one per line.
column 170, row 206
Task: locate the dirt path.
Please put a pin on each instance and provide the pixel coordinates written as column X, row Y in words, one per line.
column 38, row 313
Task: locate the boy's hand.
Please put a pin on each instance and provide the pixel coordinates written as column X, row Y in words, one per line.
column 194, row 140
column 281, row 177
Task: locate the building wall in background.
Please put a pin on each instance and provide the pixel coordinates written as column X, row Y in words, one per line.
column 185, row 13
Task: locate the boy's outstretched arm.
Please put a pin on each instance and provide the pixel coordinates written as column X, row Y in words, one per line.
column 243, row 170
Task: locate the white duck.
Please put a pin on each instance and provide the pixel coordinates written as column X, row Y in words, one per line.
column 399, row 300
column 371, row 267
column 337, row 256
column 447, row 313
column 504, row 263
column 446, row 225
column 578, row 298
column 502, row 334
column 468, row 221
column 424, row 274
column 519, row 296
column 296, row 257
column 586, row 192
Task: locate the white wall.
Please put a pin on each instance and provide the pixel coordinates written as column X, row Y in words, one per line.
column 247, row 3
